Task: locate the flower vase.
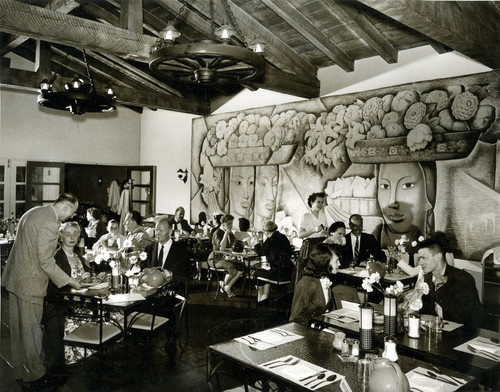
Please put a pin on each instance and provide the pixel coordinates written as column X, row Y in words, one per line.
column 390, row 314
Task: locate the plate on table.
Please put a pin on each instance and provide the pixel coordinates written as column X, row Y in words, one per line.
column 378, row 318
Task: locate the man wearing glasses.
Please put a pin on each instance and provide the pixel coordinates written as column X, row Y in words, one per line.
column 28, row 269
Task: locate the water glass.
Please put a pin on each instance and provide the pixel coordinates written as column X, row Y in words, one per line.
column 364, row 370
column 371, row 358
column 339, row 340
column 430, row 324
column 438, row 324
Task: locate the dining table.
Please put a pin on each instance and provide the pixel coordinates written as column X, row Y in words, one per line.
column 354, row 277
column 448, row 349
column 297, row 356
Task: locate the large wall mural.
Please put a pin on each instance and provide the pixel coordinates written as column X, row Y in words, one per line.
column 411, row 159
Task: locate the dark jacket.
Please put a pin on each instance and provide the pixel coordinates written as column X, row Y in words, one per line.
column 368, row 246
column 277, row 250
column 177, row 260
column 458, row 298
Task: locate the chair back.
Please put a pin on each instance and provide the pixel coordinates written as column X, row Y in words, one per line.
column 233, row 329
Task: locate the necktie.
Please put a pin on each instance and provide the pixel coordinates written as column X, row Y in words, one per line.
column 356, row 250
column 160, row 257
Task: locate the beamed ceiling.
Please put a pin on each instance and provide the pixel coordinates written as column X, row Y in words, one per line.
column 301, row 36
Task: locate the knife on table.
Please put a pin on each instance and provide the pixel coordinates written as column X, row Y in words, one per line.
column 435, row 377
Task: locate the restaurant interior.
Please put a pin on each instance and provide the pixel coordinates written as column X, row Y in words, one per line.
column 119, row 103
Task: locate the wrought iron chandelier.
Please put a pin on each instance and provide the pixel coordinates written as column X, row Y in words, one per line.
column 220, row 60
column 78, row 96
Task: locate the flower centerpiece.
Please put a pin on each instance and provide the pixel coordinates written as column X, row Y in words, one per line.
column 402, row 247
column 398, row 303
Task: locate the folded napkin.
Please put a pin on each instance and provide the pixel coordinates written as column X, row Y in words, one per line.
column 299, row 371
column 425, row 384
column 124, row 298
column 78, row 290
column 491, row 348
column 99, row 286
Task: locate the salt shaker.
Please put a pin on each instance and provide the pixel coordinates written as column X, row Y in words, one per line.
column 390, row 349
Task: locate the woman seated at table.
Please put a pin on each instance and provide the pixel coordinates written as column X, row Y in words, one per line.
column 313, row 292
column 96, row 227
column 113, row 240
column 276, row 248
column 223, row 239
column 54, row 324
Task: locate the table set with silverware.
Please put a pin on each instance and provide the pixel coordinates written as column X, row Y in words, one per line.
column 268, row 338
column 484, row 347
column 302, row 372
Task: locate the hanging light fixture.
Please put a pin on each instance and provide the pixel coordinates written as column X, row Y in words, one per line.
column 79, row 97
column 220, row 60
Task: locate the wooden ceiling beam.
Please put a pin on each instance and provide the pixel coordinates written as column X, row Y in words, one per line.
column 283, row 82
column 63, row 6
column 25, row 80
column 131, row 15
column 275, row 47
column 447, row 23
column 361, row 26
column 24, row 19
column 135, row 74
column 300, row 23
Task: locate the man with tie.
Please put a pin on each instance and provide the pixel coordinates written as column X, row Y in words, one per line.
column 452, row 292
column 360, row 246
column 179, row 223
column 166, row 253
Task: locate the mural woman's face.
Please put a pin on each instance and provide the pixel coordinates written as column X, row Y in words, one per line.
column 266, row 189
column 241, row 190
column 401, row 196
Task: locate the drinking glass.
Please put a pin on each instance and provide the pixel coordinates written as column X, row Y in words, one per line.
column 363, row 370
column 339, row 340
column 371, row 358
column 438, row 324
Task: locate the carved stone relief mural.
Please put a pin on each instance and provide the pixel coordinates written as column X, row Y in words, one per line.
column 411, row 159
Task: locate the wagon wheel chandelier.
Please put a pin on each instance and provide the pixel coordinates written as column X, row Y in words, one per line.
column 79, row 97
column 220, row 60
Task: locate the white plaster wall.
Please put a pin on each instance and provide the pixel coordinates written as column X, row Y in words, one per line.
column 413, row 65
column 166, row 143
column 30, row 132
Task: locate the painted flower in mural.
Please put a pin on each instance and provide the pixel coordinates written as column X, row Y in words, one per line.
column 439, row 98
column 419, row 137
column 373, row 110
column 403, row 100
column 464, row 106
column 414, row 115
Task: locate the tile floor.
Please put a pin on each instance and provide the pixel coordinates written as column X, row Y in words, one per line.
column 154, row 372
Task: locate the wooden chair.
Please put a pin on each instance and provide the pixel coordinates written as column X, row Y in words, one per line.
column 220, row 372
column 281, row 282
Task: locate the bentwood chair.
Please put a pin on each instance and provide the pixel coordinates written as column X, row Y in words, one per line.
column 220, row 372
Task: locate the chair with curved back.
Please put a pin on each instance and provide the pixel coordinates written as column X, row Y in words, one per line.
column 218, row 370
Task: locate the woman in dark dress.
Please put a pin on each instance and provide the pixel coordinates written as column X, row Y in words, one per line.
column 277, row 251
column 54, row 322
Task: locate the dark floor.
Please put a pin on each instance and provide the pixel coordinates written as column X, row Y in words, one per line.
column 151, row 370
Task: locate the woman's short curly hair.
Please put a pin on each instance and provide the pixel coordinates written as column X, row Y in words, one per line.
column 312, row 198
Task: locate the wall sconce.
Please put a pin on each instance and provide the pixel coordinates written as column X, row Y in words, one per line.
column 183, row 175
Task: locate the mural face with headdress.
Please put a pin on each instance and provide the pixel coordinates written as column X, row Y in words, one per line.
column 406, row 196
column 241, row 192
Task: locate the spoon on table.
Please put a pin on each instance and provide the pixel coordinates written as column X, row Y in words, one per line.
column 318, row 376
column 330, row 378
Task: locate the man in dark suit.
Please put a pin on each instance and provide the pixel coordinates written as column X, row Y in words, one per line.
column 181, row 224
column 360, row 246
column 166, row 253
column 452, row 292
